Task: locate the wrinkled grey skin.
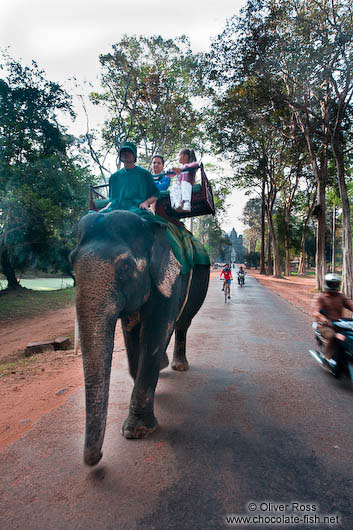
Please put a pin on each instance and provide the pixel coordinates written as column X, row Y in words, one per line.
column 125, row 268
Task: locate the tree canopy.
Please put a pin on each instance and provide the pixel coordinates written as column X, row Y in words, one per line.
column 148, row 88
column 43, row 185
column 284, row 70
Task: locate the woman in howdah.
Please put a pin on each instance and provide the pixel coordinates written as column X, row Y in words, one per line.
column 163, row 182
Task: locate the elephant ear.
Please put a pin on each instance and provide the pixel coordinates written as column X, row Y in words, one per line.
column 164, row 267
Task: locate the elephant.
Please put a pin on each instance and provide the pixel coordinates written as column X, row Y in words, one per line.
column 125, row 268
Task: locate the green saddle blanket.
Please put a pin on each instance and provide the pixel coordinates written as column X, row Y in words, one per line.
column 187, row 249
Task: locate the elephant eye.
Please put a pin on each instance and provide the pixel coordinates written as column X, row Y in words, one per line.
column 124, row 271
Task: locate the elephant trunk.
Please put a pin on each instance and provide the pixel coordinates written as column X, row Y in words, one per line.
column 97, row 358
column 98, row 308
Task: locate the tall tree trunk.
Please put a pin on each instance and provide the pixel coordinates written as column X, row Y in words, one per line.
column 301, row 265
column 347, row 270
column 7, row 268
column 287, row 269
column 333, row 257
column 277, row 273
column 318, row 162
column 269, row 255
column 320, row 236
column 262, row 250
column 252, row 244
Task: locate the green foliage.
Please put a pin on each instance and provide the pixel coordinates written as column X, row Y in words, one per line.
column 43, row 185
column 29, row 111
column 252, row 219
column 215, row 240
column 148, row 85
column 281, row 80
column 208, row 228
column 253, row 259
column 252, row 214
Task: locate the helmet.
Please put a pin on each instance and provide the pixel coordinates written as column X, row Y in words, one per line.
column 332, row 282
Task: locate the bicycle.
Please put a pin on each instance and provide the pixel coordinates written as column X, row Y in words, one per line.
column 227, row 291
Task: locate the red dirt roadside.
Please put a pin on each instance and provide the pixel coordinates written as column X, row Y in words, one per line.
column 298, row 290
column 32, row 388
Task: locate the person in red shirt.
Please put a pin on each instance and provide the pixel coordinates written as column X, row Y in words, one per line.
column 227, row 275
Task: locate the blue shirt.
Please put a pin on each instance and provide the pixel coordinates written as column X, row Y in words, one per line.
column 163, row 184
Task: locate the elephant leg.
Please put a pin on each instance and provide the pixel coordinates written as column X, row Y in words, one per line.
column 164, row 360
column 157, row 324
column 197, row 294
column 180, row 362
column 141, row 420
column 132, row 343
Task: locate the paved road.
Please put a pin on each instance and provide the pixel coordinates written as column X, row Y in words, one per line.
column 254, row 420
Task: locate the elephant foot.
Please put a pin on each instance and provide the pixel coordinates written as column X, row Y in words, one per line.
column 91, row 457
column 164, row 362
column 139, row 426
column 181, row 365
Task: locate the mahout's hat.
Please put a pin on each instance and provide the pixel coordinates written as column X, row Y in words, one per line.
column 128, row 146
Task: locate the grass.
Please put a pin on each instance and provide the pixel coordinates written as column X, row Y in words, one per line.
column 311, row 273
column 24, row 303
column 6, row 368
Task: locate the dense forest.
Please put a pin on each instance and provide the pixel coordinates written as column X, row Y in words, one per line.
column 271, row 99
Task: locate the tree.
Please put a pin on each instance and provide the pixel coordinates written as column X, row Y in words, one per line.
column 252, row 259
column 148, row 83
column 252, row 119
column 256, row 147
column 211, row 235
column 338, row 18
column 304, row 205
column 288, row 194
column 43, row 188
column 334, row 203
column 301, row 50
column 314, row 56
column 207, row 228
column 252, row 219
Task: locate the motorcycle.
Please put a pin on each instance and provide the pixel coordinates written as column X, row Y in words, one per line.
column 241, row 278
column 341, row 362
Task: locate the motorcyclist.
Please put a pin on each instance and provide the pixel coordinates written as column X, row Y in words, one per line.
column 241, row 271
column 329, row 306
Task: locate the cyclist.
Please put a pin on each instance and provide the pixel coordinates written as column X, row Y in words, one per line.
column 227, row 275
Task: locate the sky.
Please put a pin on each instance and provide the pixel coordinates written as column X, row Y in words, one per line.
column 66, row 38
